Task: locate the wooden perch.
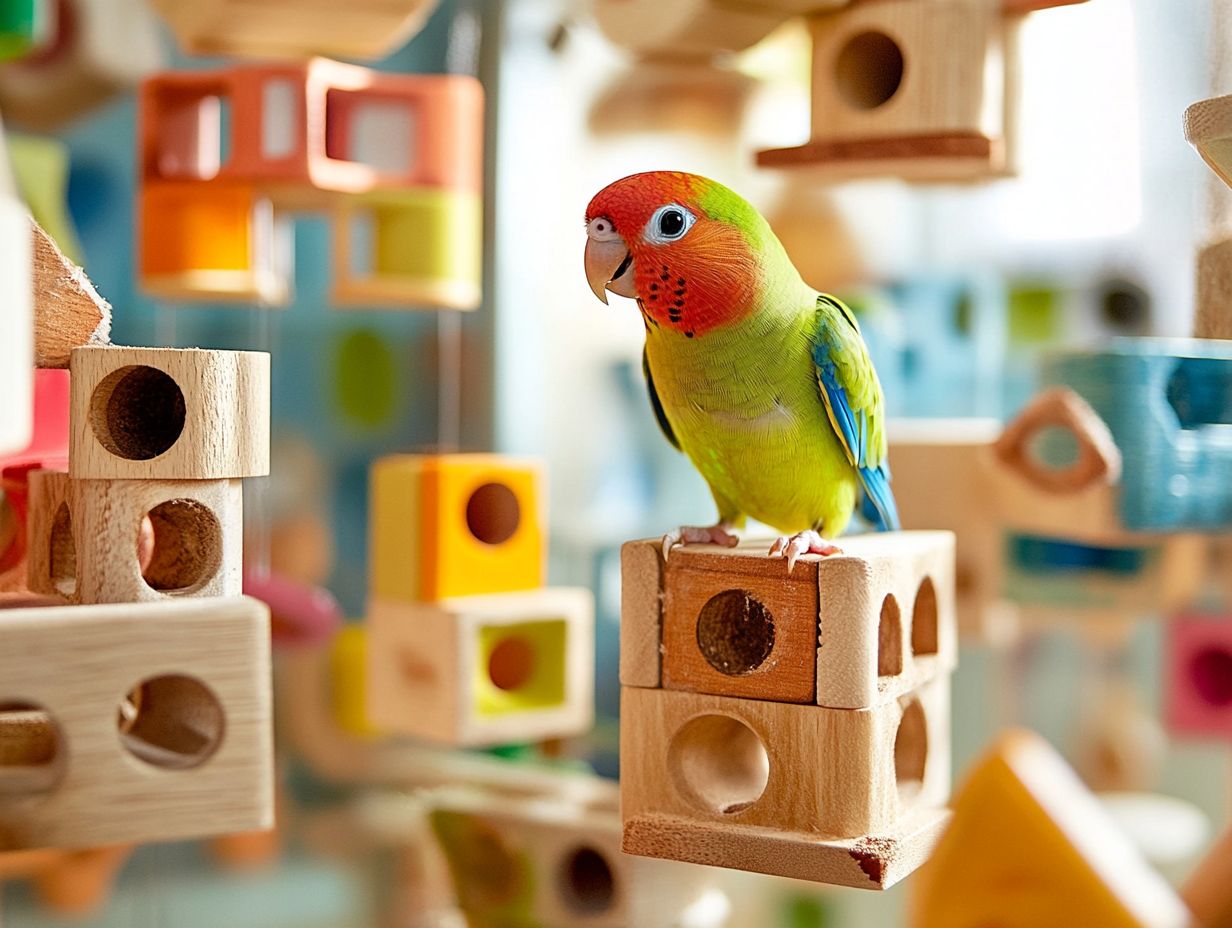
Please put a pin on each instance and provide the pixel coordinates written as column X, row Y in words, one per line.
column 68, row 312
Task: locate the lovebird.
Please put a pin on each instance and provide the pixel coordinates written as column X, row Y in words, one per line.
column 763, row 382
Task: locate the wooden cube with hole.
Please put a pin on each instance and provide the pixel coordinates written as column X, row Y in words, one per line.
column 847, row 631
column 452, row 525
column 559, row 861
column 920, row 89
column 169, row 414
column 112, row 722
column 848, row 796
column 483, row 670
column 1200, row 676
column 118, row 541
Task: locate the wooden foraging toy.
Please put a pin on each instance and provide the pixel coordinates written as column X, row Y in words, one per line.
column 1064, row 861
column 445, row 526
column 1199, row 679
column 169, row 414
column 483, row 670
column 120, row 722
column 797, row 725
column 919, row 89
column 68, row 311
column 359, row 29
column 97, row 49
column 90, row 540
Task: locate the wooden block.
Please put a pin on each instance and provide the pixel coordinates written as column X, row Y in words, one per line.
column 141, row 695
column 89, row 539
column 317, row 126
column 420, row 248
column 1208, row 891
column 940, row 482
column 1067, row 863
column 884, row 100
column 483, row 670
column 1208, row 128
column 1200, row 676
column 641, row 612
column 1213, row 315
column 555, row 863
column 68, row 312
column 453, row 525
column 169, row 413
column 360, row 29
column 16, row 321
column 99, row 48
column 803, row 770
column 847, row 631
column 213, row 241
column 686, row 27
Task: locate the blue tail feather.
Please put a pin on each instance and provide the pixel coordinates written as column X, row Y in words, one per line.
column 877, row 505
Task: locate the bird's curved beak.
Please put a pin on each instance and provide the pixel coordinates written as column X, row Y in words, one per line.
column 609, row 266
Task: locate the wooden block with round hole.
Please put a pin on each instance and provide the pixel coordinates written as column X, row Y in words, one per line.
column 116, row 541
column 1200, row 676
column 451, row 525
column 847, row 631
column 169, row 414
column 794, row 768
column 555, row 862
column 161, row 718
column 483, row 670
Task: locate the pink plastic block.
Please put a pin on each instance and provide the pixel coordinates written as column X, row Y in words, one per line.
column 49, row 444
column 1200, row 675
column 299, row 614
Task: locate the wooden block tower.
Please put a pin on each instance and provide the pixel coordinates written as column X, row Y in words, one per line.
column 465, row 646
column 395, row 160
column 791, row 724
column 141, row 709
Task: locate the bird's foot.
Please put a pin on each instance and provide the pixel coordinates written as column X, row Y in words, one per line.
column 719, row 534
column 793, row 546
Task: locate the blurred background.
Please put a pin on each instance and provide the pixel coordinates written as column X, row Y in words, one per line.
column 960, row 288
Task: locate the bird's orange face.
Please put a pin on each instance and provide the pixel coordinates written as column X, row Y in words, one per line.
column 654, row 238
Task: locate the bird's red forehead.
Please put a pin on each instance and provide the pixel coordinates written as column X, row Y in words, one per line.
column 630, row 201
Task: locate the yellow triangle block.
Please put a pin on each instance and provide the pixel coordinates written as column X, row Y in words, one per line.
column 1030, row 846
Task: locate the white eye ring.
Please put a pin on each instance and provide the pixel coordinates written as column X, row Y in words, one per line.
column 655, row 232
column 601, row 229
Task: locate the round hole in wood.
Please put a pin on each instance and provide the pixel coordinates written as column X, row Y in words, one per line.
column 735, row 632
column 186, row 550
column 719, row 763
column 910, row 750
column 62, row 555
column 586, row 882
column 172, row 721
column 924, row 619
column 869, row 70
column 137, row 412
column 493, row 513
column 32, row 754
column 890, row 639
column 1211, row 672
column 511, row 663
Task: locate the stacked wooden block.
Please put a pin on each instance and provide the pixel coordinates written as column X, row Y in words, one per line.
column 396, row 159
column 465, row 646
column 141, row 711
column 788, row 723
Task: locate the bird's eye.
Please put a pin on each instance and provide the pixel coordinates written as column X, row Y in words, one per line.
column 601, row 230
column 669, row 224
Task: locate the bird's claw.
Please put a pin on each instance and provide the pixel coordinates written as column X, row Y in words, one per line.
column 699, row 535
column 793, row 547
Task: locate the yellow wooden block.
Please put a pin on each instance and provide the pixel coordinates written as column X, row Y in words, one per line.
column 347, row 668
column 1030, row 846
column 483, row 670
column 454, row 525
